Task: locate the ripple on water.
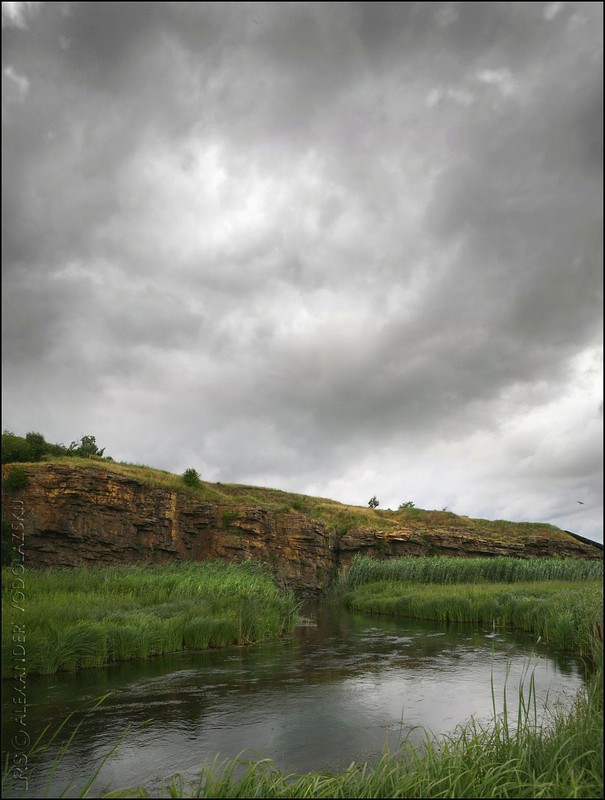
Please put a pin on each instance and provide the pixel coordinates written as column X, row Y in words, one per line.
column 326, row 698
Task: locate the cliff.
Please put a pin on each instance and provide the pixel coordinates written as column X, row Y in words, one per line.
column 97, row 514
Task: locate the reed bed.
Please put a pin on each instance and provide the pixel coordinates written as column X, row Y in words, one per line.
column 564, row 614
column 88, row 617
column 501, row 569
column 560, row 600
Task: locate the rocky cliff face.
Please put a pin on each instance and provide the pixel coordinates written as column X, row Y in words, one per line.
column 74, row 516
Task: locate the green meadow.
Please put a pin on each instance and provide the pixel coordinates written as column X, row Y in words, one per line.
column 88, row 617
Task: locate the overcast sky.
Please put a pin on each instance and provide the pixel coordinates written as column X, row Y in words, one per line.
column 342, row 249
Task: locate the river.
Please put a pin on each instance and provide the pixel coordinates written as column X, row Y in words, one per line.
column 346, row 687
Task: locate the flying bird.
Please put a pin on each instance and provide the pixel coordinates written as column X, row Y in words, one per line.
column 581, row 503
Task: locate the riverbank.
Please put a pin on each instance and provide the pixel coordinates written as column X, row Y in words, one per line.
column 560, row 601
column 557, row 757
column 71, row 619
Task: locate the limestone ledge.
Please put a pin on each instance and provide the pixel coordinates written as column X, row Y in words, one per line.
column 74, row 516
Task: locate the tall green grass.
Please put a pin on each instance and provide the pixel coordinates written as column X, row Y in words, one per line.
column 15, row 779
column 564, row 614
column 501, row 569
column 560, row 600
column 88, row 617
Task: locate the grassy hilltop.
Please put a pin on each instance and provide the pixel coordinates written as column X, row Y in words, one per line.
column 338, row 517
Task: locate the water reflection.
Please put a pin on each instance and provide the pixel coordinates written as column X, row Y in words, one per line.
column 345, row 688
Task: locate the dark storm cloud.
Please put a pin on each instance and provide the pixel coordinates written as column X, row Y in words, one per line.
column 298, row 237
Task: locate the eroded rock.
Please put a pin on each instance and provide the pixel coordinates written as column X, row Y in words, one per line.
column 75, row 516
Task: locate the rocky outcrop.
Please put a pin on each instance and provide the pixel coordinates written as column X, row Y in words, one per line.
column 455, row 542
column 74, row 516
column 92, row 516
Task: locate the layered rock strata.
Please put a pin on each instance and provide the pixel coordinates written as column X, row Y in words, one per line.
column 75, row 516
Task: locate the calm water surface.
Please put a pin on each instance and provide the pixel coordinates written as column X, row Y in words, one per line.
column 345, row 688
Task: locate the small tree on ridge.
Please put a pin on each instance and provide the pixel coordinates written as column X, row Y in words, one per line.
column 191, row 478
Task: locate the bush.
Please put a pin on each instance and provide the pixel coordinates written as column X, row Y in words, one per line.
column 56, row 449
column 15, row 448
column 191, row 478
column 408, row 504
column 37, row 444
column 15, row 480
column 373, row 503
column 85, row 448
column 34, row 447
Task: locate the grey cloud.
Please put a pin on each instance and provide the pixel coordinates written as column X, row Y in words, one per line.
column 297, row 237
column 37, row 316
